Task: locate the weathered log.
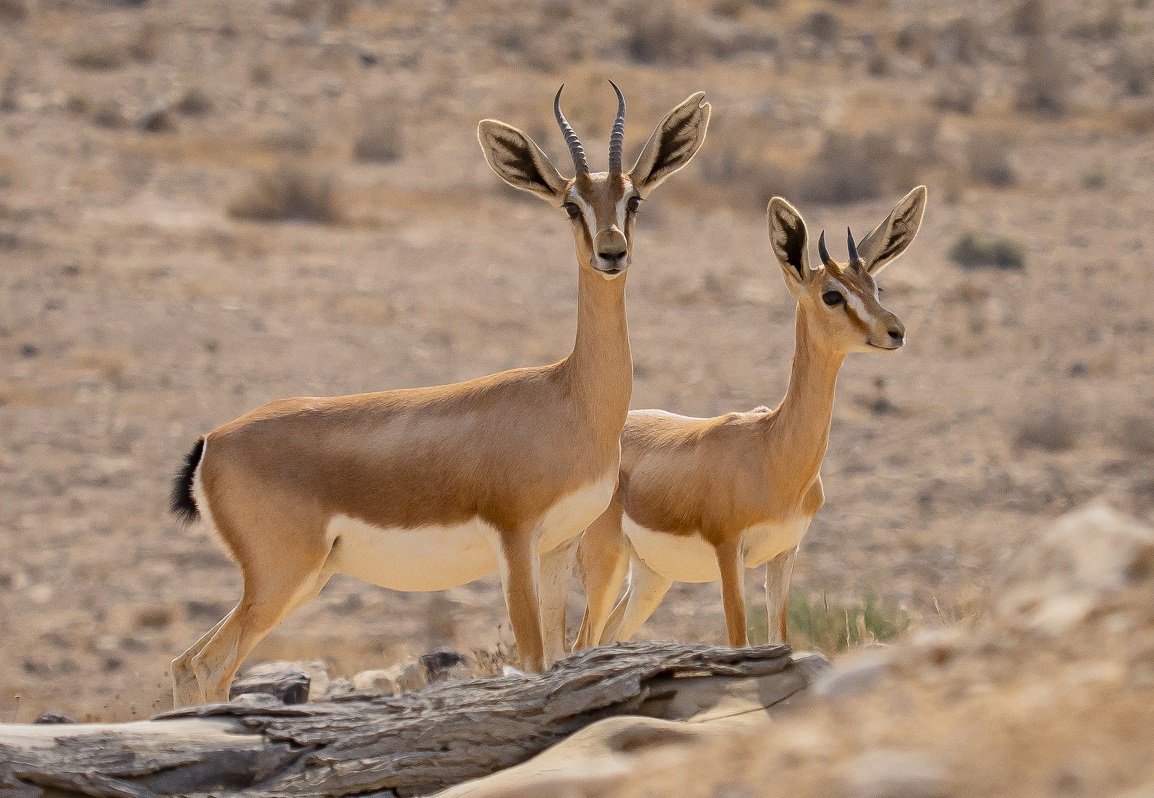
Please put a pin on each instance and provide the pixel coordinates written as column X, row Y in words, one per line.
column 385, row 745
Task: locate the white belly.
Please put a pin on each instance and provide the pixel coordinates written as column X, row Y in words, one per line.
column 689, row 558
column 440, row 557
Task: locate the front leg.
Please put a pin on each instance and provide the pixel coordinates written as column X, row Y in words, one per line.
column 732, row 566
column 778, row 572
column 556, row 574
column 519, row 565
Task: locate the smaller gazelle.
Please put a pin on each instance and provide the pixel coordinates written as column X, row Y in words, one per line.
column 702, row 499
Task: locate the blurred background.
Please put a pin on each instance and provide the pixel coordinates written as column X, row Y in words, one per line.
column 207, row 205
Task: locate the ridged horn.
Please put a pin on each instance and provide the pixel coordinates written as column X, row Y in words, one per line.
column 854, row 258
column 575, row 148
column 617, row 140
column 824, row 253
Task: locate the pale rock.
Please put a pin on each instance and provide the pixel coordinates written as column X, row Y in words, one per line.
column 887, row 773
column 854, row 674
column 378, row 681
column 1056, row 583
column 316, row 670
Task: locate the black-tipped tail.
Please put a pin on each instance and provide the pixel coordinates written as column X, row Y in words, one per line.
column 182, row 504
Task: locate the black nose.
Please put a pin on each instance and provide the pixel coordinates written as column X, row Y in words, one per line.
column 611, row 257
column 898, row 335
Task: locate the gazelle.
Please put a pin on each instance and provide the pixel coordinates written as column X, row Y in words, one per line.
column 701, row 499
column 429, row 488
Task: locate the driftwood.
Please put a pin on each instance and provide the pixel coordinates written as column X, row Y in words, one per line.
column 385, row 745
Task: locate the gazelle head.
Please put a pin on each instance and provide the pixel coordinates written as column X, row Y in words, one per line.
column 601, row 205
column 841, row 302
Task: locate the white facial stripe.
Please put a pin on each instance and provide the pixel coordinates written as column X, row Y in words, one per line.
column 586, row 214
column 859, row 307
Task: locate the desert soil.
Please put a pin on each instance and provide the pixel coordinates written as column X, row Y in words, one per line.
column 138, row 312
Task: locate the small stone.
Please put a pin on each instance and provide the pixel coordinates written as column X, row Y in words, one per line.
column 290, row 682
column 896, row 774
column 412, row 676
column 377, row 681
column 158, row 120
column 441, row 666
column 854, row 674
column 52, row 717
column 338, row 687
column 256, row 700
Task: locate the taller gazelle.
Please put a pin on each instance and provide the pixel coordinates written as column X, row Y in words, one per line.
column 702, row 499
column 429, row 488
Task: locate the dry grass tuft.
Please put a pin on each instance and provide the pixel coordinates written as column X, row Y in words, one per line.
column 104, row 54
column 332, row 12
column 819, row 625
column 13, row 10
column 958, row 93
column 1047, row 430
column 662, row 34
column 988, row 160
column 1105, row 27
column 380, row 140
column 1134, row 69
column 973, row 251
column 1135, row 435
column 850, row 168
column 194, row 102
column 1045, row 86
column 109, row 114
column 289, row 194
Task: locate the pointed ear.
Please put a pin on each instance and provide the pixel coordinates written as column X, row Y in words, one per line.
column 672, row 145
column 790, row 241
column 890, row 238
column 518, row 161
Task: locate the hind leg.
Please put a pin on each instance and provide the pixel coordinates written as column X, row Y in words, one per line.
column 555, row 576
column 645, row 591
column 778, row 572
column 186, row 690
column 603, row 565
column 260, row 610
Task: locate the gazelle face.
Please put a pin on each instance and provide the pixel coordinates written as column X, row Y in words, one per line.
column 847, row 301
column 602, row 206
column 841, row 304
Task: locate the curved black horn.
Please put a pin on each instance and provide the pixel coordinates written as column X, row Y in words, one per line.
column 854, row 258
column 824, row 253
column 617, row 140
column 575, row 148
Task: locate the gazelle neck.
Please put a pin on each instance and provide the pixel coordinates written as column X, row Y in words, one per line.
column 801, row 423
column 600, row 368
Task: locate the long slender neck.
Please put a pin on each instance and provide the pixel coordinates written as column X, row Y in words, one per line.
column 800, row 427
column 600, row 368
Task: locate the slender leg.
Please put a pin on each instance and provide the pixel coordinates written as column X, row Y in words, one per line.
column 603, row 564
column 778, row 572
column 645, row 591
column 257, row 614
column 520, row 570
column 186, row 691
column 556, row 575
column 732, row 567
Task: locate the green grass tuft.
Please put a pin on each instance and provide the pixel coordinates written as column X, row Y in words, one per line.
column 974, row 252
column 821, row 625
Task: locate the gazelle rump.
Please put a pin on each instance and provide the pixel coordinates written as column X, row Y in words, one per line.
column 701, row 499
column 428, row 488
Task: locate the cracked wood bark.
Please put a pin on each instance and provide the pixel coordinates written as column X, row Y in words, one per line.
column 367, row 744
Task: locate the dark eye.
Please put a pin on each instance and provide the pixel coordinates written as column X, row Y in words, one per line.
column 633, row 203
column 832, row 298
column 572, row 209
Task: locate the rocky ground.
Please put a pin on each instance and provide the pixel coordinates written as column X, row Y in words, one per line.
column 141, row 304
